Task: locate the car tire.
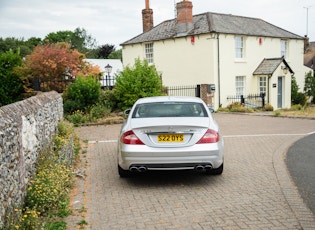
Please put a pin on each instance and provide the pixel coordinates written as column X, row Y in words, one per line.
column 123, row 173
column 217, row 171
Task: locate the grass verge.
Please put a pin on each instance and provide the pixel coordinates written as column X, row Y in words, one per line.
column 47, row 199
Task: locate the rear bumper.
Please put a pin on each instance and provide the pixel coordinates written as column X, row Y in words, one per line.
column 170, row 159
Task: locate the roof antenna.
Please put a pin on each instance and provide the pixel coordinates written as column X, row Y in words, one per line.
column 175, row 11
column 307, row 8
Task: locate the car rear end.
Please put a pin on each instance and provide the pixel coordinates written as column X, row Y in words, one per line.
column 179, row 134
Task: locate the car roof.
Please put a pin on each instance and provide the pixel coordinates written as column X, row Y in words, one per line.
column 169, row 98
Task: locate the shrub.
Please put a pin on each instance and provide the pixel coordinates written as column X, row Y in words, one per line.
column 98, row 111
column 11, row 86
column 47, row 189
column 107, row 98
column 277, row 113
column 268, row 107
column 309, row 85
column 297, row 107
column 76, row 117
column 70, row 106
column 294, row 89
column 223, row 109
column 234, row 106
column 299, row 99
column 238, row 107
column 141, row 80
column 82, row 93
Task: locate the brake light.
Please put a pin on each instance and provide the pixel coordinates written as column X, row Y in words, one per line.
column 210, row 136
column 130, row 138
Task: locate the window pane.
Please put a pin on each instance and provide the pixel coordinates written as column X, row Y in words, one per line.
column 239, row 85
column 169, row 109
column 149, row 52
column 283, row 48
column 262, row 84
column 239, row 47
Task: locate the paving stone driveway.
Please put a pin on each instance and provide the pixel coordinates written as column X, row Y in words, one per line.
column 254, row 191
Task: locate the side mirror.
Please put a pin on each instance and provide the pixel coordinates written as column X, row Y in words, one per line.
column 211, row 110
column 127, row 111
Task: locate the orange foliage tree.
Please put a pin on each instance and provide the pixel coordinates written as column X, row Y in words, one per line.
column 53, row 63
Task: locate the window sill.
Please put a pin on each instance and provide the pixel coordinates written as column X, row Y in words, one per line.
column 240, row 60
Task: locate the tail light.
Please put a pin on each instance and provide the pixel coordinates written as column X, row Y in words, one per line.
column 210, row 136
column 130, row 138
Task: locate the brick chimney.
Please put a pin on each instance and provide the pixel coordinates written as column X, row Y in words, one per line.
column 184, row 17
column 147, row 17
column 306, row 44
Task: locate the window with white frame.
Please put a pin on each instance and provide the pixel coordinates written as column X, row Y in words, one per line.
column 240, row 85
column 149, row 52
column 239, row 47
column 284, row 48
column 262, row 85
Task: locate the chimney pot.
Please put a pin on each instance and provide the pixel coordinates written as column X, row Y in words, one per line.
column 147, row 4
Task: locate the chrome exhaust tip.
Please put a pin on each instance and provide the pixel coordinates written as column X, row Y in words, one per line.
column 208, row 167
column 142, row 169
column 133, row 169
column 199, row 168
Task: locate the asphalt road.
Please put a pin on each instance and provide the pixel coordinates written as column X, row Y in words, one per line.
column 301, row 165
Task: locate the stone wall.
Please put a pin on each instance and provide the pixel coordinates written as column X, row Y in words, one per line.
column 26, row 127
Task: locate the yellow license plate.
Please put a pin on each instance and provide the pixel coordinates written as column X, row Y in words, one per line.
column 171, row 138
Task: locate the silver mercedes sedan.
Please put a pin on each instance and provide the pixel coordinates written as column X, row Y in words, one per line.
column 170, row 133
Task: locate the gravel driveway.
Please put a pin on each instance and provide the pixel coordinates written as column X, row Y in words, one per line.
column 255, row 190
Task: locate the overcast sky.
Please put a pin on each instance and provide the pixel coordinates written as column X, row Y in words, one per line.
column 114, row 22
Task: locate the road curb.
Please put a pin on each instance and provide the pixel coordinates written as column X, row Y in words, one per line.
column 302, row 213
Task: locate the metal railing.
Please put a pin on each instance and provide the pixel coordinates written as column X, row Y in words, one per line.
column 45, row 85
column 59, row 85
column 249, row 101
column 107, row 82
column 193, row 90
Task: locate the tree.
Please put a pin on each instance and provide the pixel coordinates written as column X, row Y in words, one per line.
column 117, row 54
column 105, row 50
column 79, row 39
column 53, row 62
column 19, row 45
column 294, row 90
column 309, row 86
column 141, row 80
column 11, row 86
column 59, row 36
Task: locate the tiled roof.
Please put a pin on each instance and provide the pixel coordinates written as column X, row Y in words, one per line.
column 216, row 23
column 309, row 59
column 269, row 65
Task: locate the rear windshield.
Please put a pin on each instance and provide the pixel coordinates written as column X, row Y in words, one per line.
column 170, row 109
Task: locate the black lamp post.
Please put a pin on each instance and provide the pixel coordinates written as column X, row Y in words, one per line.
column 108, row 70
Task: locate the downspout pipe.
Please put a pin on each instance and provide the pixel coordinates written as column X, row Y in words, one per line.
column 268, row 84
column 219, row 77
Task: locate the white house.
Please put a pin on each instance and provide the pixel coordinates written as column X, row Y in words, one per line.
column 239, row 55
column 109, row 68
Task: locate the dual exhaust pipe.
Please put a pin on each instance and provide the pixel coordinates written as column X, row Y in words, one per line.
column 201, row 168
column 138, row 169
